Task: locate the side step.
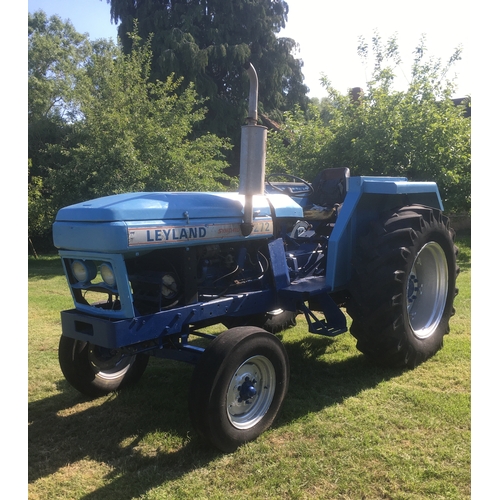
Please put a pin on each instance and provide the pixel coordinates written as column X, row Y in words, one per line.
column 293, row 295
column 298, row 292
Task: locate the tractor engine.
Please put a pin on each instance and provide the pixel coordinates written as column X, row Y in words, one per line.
column 164, row 279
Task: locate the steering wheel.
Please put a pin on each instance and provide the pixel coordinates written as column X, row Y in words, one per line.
column 306, row 191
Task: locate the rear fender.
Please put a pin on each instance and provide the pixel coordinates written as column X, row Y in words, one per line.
column 366, row 199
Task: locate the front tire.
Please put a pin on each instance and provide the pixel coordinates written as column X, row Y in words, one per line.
column 238, row 387
column 96, row 371
column 403, row 287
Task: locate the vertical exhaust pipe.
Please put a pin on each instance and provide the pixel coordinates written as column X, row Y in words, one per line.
column 253, row 153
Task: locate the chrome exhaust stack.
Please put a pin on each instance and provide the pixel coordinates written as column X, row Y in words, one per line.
column 253, row 153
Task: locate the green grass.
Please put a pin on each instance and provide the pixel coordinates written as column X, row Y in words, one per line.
column 348, row 429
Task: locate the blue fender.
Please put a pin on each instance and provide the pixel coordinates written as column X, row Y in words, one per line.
column 366, row 198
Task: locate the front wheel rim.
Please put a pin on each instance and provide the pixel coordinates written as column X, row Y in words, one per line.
column 109, row 364
column 251, row 392
column 427, row 290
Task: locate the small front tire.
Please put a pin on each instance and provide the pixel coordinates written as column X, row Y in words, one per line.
column 238, row 387
column 96, row 371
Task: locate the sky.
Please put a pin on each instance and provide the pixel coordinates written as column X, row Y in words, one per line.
column 328, row 33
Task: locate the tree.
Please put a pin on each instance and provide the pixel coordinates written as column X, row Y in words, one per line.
column 136, row 135
column 57, row 56
column 56, row 53
column 206, row 42
column 418, row 133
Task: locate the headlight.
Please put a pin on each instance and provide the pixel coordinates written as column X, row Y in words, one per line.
column 108, row 275
column 84, row 271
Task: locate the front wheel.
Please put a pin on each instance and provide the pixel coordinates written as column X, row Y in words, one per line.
column 403, row 286
column 238, row 387
column 96, row 371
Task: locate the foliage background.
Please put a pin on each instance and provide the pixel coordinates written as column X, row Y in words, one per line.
column 208, row 42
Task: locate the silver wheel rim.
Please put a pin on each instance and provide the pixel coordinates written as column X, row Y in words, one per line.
column 427, row 290
column 110, row 366
column 250, row 392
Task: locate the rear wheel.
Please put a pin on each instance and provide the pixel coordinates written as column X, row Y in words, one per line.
column 403, row 287
column 238, row 387
column 96, row 371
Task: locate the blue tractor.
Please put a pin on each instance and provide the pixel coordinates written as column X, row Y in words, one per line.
column 149, row 272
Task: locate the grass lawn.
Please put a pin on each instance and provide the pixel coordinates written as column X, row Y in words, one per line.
column 348, row 429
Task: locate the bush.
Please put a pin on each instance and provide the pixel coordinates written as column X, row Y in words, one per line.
column 419, row 133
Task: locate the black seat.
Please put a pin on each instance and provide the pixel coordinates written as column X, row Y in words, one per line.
column 330, row 187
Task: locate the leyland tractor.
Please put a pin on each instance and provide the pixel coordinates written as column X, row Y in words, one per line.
column 150, row 271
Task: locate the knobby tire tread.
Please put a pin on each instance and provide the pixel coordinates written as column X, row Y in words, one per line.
column 380, row 270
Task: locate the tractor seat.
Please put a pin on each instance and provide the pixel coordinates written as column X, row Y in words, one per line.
column 330, row 188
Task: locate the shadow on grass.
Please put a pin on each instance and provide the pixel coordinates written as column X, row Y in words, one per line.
column 316, row 384
column 66, row 428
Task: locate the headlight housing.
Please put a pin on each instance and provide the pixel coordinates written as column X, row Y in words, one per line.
column 108, row 275
column 84, row 271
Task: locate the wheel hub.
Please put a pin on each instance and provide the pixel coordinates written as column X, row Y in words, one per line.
column 427, row 290
column 250, row 392
column 247, row 390
column 413, row 288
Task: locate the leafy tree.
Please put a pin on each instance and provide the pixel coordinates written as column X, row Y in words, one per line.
column 298, row 147
column 136, row 134
column 418, row 133
column 57, row 55
column 57, row 58
column 208, row 41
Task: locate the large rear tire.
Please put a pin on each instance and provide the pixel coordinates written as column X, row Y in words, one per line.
column 238, row 387
column 96, row 371
column 403, row 286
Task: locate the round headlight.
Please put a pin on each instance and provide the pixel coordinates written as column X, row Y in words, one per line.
column 108, row 276
column 83, row 271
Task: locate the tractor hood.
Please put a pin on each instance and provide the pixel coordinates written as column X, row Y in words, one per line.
column 156, row 206
column 131, row 221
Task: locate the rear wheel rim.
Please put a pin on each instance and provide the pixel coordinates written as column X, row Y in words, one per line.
column 427, row 290
column 251, row 392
